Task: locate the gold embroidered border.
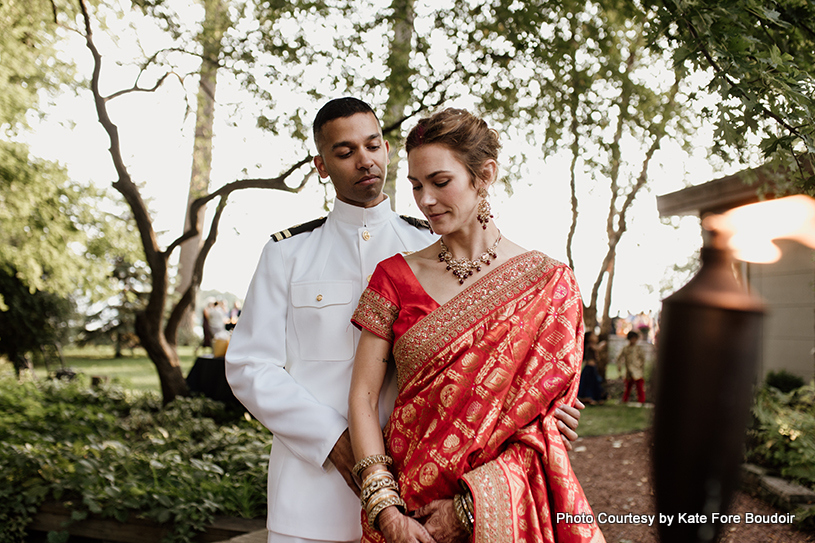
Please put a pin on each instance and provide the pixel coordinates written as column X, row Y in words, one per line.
column 453, row 319
column 376, row 314
column 491, row 496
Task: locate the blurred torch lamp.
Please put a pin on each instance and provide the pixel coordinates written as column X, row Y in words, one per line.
column 709, row 341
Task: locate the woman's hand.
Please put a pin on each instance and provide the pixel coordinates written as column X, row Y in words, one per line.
column 441, row 522
column 398, row 528
column 568, row 417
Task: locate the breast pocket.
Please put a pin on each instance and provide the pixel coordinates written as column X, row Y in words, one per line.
column 322, row 319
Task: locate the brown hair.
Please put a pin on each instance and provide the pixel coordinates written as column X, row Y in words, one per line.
column 468, row 136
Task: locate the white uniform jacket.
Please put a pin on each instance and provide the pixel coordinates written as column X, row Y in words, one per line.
column 291, row 354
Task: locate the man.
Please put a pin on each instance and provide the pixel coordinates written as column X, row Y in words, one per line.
column 291, row 354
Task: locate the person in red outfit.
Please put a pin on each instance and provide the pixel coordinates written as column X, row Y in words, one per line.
column 487, row 339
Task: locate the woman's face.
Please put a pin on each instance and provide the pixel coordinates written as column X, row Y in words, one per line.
column 442, row 188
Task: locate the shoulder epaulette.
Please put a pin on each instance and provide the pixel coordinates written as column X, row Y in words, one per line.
column 298, row 229
column 413, row 221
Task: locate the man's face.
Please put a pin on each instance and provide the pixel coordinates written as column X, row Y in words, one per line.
column 353, row 153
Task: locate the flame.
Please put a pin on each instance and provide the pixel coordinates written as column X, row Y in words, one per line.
column 751, row 229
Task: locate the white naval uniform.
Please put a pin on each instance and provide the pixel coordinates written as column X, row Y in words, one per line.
column 291, row 354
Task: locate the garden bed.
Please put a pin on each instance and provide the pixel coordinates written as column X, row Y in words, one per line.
column 53, row 516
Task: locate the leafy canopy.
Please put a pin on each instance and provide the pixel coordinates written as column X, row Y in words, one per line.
column 761, row 54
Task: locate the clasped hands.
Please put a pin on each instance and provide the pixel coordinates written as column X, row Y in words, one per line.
column 435, row 522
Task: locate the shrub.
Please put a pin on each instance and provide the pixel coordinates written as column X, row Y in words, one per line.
column 782, row 434
column 784, row 380
column 113, row 452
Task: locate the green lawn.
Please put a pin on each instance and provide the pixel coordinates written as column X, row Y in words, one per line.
column 614, row 418
column 137, row 372
column 134, row 371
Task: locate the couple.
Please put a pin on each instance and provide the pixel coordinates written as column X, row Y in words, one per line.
column 483, row 360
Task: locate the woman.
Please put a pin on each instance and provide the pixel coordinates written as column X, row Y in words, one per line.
column 486, row 337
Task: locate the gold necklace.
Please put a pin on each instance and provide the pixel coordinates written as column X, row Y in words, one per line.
column 464, row 267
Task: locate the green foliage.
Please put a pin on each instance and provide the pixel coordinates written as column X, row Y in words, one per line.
column 56, row 233
column 761, row 56
column 61, row 240
column 109, row 452
column 782, row 435
column 30, row 320
column 784, row 380
column 28, row 58
column 56, row 238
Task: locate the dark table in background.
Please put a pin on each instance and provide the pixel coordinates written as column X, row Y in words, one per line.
column 208, row 377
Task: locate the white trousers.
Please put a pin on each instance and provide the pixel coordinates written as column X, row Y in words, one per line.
column 274, row 537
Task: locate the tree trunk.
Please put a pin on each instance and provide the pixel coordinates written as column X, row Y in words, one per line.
column 164, row 357
column 574, row 132
column 400, row 90
column 215, row 24
column 605, row 323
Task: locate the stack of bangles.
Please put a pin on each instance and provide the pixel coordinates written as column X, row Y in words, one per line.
column 463, row 506
column 379, row 489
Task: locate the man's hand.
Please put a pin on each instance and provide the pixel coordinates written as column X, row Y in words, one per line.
column 439, row 518
column 342, row 456
column 568, row 418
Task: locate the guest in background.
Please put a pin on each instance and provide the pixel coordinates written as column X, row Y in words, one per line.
column 632, row 360
column 591, row 388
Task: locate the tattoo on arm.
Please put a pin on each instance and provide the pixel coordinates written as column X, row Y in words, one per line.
column 385, row 360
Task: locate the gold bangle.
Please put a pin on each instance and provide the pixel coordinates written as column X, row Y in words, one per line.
column 469, row 507
column 381, row 505
column 369, row 461
column 461, row 515
column 372, row 508
column 368, row 490
column 378, row 479
column 377, row 475
column 379, row 496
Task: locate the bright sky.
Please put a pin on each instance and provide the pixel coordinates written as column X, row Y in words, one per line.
column 157, row 144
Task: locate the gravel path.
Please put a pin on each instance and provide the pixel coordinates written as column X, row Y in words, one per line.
column 615, row 473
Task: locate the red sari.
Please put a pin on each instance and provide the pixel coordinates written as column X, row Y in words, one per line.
column 479, row 380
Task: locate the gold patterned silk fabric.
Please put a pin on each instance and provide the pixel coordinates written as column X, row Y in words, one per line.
column 479, row 380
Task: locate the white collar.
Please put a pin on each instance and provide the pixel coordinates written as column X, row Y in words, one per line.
column 362, row 216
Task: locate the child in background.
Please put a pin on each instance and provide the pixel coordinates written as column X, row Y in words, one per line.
column 632, row 357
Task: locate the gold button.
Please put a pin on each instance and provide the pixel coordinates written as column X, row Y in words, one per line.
column 366, row 235
column 369, row 278
column 319, row 297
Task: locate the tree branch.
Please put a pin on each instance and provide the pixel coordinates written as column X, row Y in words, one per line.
column 722, row 72
column 187, row 299
column 423, row 106
column 136, row 88
column 615, row 234
column 574, row 105
column 124, row 183
column 276, row 183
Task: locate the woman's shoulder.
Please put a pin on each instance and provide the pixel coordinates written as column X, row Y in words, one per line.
column 417, row 260
column 543, row 260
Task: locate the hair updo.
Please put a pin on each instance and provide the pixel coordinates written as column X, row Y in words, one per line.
column 467, row 136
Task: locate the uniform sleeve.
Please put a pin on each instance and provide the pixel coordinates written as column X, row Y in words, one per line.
column 255, row 368
column 379, row 305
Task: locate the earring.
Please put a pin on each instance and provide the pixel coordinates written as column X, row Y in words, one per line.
column 484, row 210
